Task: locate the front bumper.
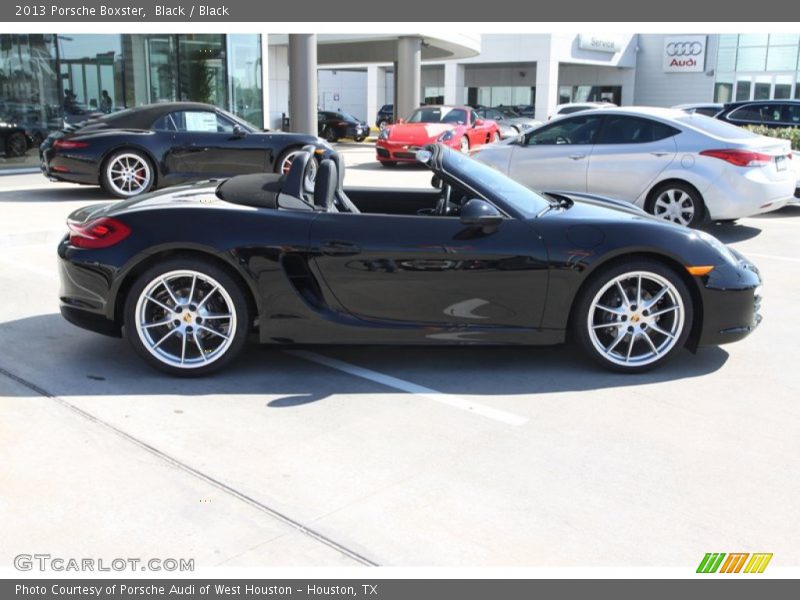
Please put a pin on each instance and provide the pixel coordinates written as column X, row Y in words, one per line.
column 731, row 297
column 387, row 150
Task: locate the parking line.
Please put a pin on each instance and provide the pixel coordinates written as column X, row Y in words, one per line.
column 773, row 257
column 412, row 388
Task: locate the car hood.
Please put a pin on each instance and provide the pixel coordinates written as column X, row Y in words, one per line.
column 418, row 133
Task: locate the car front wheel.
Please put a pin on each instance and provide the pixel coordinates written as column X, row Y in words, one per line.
column 633, row 316
column 464, row 145
column 186, row 317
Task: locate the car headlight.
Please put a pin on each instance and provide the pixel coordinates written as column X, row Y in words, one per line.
column 446, row 136
column 384, row 134
column 721, row 248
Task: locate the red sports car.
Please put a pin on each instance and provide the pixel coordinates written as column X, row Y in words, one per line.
column 455, row 126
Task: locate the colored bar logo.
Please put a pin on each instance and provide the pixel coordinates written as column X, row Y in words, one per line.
column 714, row 562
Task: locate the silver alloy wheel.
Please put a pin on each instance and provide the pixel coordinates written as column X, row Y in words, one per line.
column 636, row 318
column 185, row 319
column 495, row 138
column 128, row 174
column 675, row 205
column 311, row 169
column 464, row 144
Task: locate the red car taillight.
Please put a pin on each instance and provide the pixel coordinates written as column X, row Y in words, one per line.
column 98, row 233
column 740, row 158
column 69, row 144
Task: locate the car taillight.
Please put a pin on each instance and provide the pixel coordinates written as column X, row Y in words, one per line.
column 740, row 158
column 69, row 144
column 98, row 233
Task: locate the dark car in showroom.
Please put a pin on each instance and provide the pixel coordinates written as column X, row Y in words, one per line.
column 476, row 258
column 14, row 141
column 385, row 116
column 335, row 125
column 136, row 150
column 769, row 113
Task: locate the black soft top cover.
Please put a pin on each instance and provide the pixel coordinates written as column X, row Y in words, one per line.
column 262, row 190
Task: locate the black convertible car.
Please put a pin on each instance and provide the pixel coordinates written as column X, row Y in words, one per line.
column 139, row 149
column 187, row 275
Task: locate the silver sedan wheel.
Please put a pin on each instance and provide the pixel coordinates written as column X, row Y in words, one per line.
column 675, row 205
column 636, row 318
column 128, row 174
column 185, row 319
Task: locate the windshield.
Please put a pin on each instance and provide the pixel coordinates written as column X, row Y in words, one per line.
column 493, row 184
column 509, row 112
column 439, row 114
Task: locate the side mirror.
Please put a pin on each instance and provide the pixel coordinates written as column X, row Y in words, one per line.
column 479, row 213
column 239, row 131
column 478, row 122
column 400, row 121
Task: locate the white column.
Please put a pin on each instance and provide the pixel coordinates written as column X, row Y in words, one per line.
column 376, row 92
column 453, row 83
column 265, row 79
column 546, row 87
column 409, row 75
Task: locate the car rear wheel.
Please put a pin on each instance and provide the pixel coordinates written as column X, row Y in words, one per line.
column 330, row 135
column 284, row 165
column 633, row 316
column 186, row 317
column 127, row 173
column 495, row 138
column 16, row 145
column 677, row 202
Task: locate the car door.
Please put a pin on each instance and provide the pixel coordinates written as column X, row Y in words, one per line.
column 629, row 154
column 556, row 156
column 432, row 269
column 205, row 144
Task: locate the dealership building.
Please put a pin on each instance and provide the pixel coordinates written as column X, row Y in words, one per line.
column 47, row 77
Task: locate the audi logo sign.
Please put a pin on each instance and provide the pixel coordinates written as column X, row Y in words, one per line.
column 685, row 54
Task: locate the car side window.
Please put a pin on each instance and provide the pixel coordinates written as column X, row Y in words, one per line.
column 165, row 123
column 747, row 114
column 575, row 130
column 202, row 121
column 633, row 130
column 791, row 114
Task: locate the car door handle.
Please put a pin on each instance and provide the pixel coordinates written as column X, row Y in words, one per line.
column 337, row 248
column 659, row 153
column 577, row 156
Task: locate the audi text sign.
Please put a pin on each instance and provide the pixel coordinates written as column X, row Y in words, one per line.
column 685, row 54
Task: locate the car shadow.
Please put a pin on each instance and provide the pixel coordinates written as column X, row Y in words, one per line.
column 791, row 210
column 731, row 232
column 74, row 362
column 57, row 194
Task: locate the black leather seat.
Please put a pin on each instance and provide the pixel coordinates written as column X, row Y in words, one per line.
column 325, row 186
column 344, row 204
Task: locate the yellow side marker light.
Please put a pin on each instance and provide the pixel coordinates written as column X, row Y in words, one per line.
column 700, row 271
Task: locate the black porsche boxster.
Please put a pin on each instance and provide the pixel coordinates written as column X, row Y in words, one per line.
column 188, row 274
column 136, row 150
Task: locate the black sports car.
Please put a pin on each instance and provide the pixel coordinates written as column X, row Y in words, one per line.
column 139, row 149
column 187, row 275
column 336, row 125
column 13, row 140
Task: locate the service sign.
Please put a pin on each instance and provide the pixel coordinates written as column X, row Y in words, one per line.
column 598, row 43
column 685, row 54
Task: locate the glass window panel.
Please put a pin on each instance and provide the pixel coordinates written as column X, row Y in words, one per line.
column 91, row 73
column 743, row 89
column 753, row 39
column 762, row 91
column 729, row 40
column 244, row 77
column 485, row 96
column 782, row 58
column 723, row 92
column 797, row 88
column 784, row 39
column 501, row 95
column 521, row 95
column 564, row 94
column 783, row 87
column 201, row 59
column 751, row 59
column 726, row 59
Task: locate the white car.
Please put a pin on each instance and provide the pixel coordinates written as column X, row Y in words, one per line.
column 682, row 167
column 572, row 107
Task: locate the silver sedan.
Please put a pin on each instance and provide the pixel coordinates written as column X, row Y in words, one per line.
column 686, row 168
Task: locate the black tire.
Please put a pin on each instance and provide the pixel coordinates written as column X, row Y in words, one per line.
column 204, row 352
column 330, row 136
column 388, row 163
column 683, row 192
column 118, row 188
column 627, row 331
column 359, row 139
column 16, row 145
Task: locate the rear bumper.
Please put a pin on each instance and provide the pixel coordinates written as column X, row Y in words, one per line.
column 70, row 168
column 742, row 192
